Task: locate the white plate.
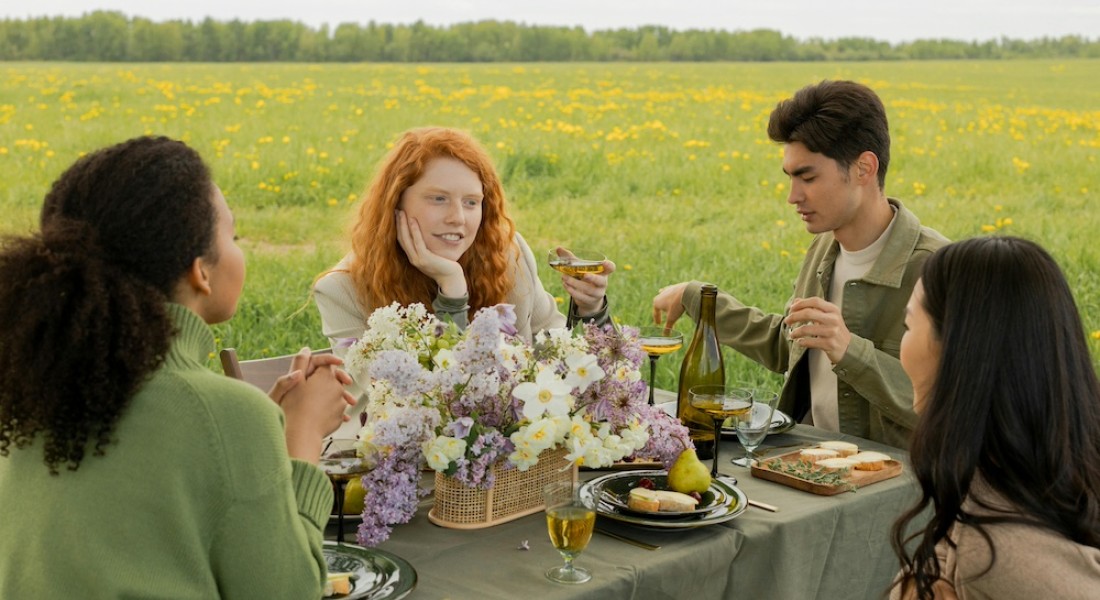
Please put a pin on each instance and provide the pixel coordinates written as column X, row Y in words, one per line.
column 735, row 502
column 375, row 574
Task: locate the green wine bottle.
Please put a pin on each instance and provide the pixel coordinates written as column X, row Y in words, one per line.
column 702, row 365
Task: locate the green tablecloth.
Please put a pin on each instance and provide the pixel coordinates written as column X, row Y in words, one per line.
column 814, row 547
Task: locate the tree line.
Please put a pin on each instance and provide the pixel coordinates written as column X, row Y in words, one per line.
column 107, row 36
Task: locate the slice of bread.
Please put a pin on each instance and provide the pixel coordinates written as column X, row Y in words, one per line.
column 812, row 455
column 835, row 464
column 843, row 449
column 870, row 461
column 643, row 499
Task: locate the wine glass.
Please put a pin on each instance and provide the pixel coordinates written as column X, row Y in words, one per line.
column 720, row 402
column 656, row 341
column 575, row 263
column 342, row 463
column 753, row 426
column 570, row 521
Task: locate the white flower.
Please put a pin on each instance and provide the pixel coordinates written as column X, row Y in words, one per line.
column 523, row 458
column 442, row 450
column 444, row 359
column 548, row 394
column 583, row 371
column 539, row 435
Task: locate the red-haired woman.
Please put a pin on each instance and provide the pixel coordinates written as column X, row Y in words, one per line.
column 434, row 228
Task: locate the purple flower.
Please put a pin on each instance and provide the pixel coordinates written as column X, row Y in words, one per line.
column 507, row 315
column 459, row 428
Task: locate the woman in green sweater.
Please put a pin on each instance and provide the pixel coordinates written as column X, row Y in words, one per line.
column 127, row 468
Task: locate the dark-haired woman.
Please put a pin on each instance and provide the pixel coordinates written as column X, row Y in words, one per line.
column 1006, row 449
column 127, row 468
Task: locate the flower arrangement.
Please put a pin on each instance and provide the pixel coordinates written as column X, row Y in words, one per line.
column 462, row 401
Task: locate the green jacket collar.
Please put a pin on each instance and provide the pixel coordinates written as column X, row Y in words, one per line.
column 889, row 269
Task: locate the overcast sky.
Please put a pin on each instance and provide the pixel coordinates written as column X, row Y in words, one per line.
column 890, row 20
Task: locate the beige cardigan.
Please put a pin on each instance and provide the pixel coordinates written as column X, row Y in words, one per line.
column 1032, row 562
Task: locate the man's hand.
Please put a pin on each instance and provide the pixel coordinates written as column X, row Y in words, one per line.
column 668, row 305
column 817, row 324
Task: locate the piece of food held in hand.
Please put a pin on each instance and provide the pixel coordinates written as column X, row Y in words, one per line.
column 647, row 500
column 688, row 474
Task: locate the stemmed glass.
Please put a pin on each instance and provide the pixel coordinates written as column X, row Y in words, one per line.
column 575, row 263
column 753, row 426
column 570, row 521
column 720, row 402
column 342, row 463
column 657, row 342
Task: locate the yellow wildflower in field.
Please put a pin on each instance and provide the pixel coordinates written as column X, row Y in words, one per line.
column 1095, row 335
column 918, row 188
column 1021, row 165
column 628, row 268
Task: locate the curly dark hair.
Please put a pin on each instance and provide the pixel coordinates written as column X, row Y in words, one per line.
column 83, row 321
column 1015, row 401
column 840, row 119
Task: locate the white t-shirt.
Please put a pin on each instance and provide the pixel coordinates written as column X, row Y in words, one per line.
column 848, row 266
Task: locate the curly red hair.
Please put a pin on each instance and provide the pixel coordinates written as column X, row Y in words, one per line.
column 380, row 270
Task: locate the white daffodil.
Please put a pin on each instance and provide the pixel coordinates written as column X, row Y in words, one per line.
column 523, row 458
column 546, row 395
column 583, row 371
column 444, row 358
column 441, row 451
column 539, row 435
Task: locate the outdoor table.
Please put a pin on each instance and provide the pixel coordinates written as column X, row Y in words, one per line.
column 813, row 547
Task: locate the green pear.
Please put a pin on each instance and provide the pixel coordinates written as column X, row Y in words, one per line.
column 688, row 474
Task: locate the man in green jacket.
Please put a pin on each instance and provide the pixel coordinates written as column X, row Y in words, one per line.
column 839, row 338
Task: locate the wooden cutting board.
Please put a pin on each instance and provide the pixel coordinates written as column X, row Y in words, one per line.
column 855, row 477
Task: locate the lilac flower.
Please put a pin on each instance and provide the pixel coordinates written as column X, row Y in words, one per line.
column 507, row 315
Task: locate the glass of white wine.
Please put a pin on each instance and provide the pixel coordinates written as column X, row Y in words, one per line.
column 720, row 402
column 570, row 522
column 753, row 427
column 341, row 462
column 657, row 342
column 576, row 262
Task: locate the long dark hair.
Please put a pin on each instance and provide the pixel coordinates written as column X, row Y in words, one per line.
column 83, row 320
column 1015, row 400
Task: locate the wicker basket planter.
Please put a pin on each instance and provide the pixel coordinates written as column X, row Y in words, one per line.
column 515, row 494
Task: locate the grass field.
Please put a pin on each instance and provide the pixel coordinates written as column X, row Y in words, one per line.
column 664, row 166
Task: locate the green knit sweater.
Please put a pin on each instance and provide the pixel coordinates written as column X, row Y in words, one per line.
column 196, row 499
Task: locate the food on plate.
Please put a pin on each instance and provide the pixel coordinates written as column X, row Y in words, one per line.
column 812, row 455
column 844, row 449
column 870, row 461
column 643, row 499
column 836, row 464
column 689, row 474
column 337, row 584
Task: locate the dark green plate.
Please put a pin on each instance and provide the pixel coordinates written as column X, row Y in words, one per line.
column 617, row 493
column 733, row 502
column 375, row 574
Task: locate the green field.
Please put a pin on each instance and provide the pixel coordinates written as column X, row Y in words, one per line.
column 664, row 166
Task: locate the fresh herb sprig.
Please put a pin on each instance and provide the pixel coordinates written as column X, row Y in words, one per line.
column 809, row 472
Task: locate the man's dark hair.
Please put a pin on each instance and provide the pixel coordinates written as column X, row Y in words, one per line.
column 840, row 119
